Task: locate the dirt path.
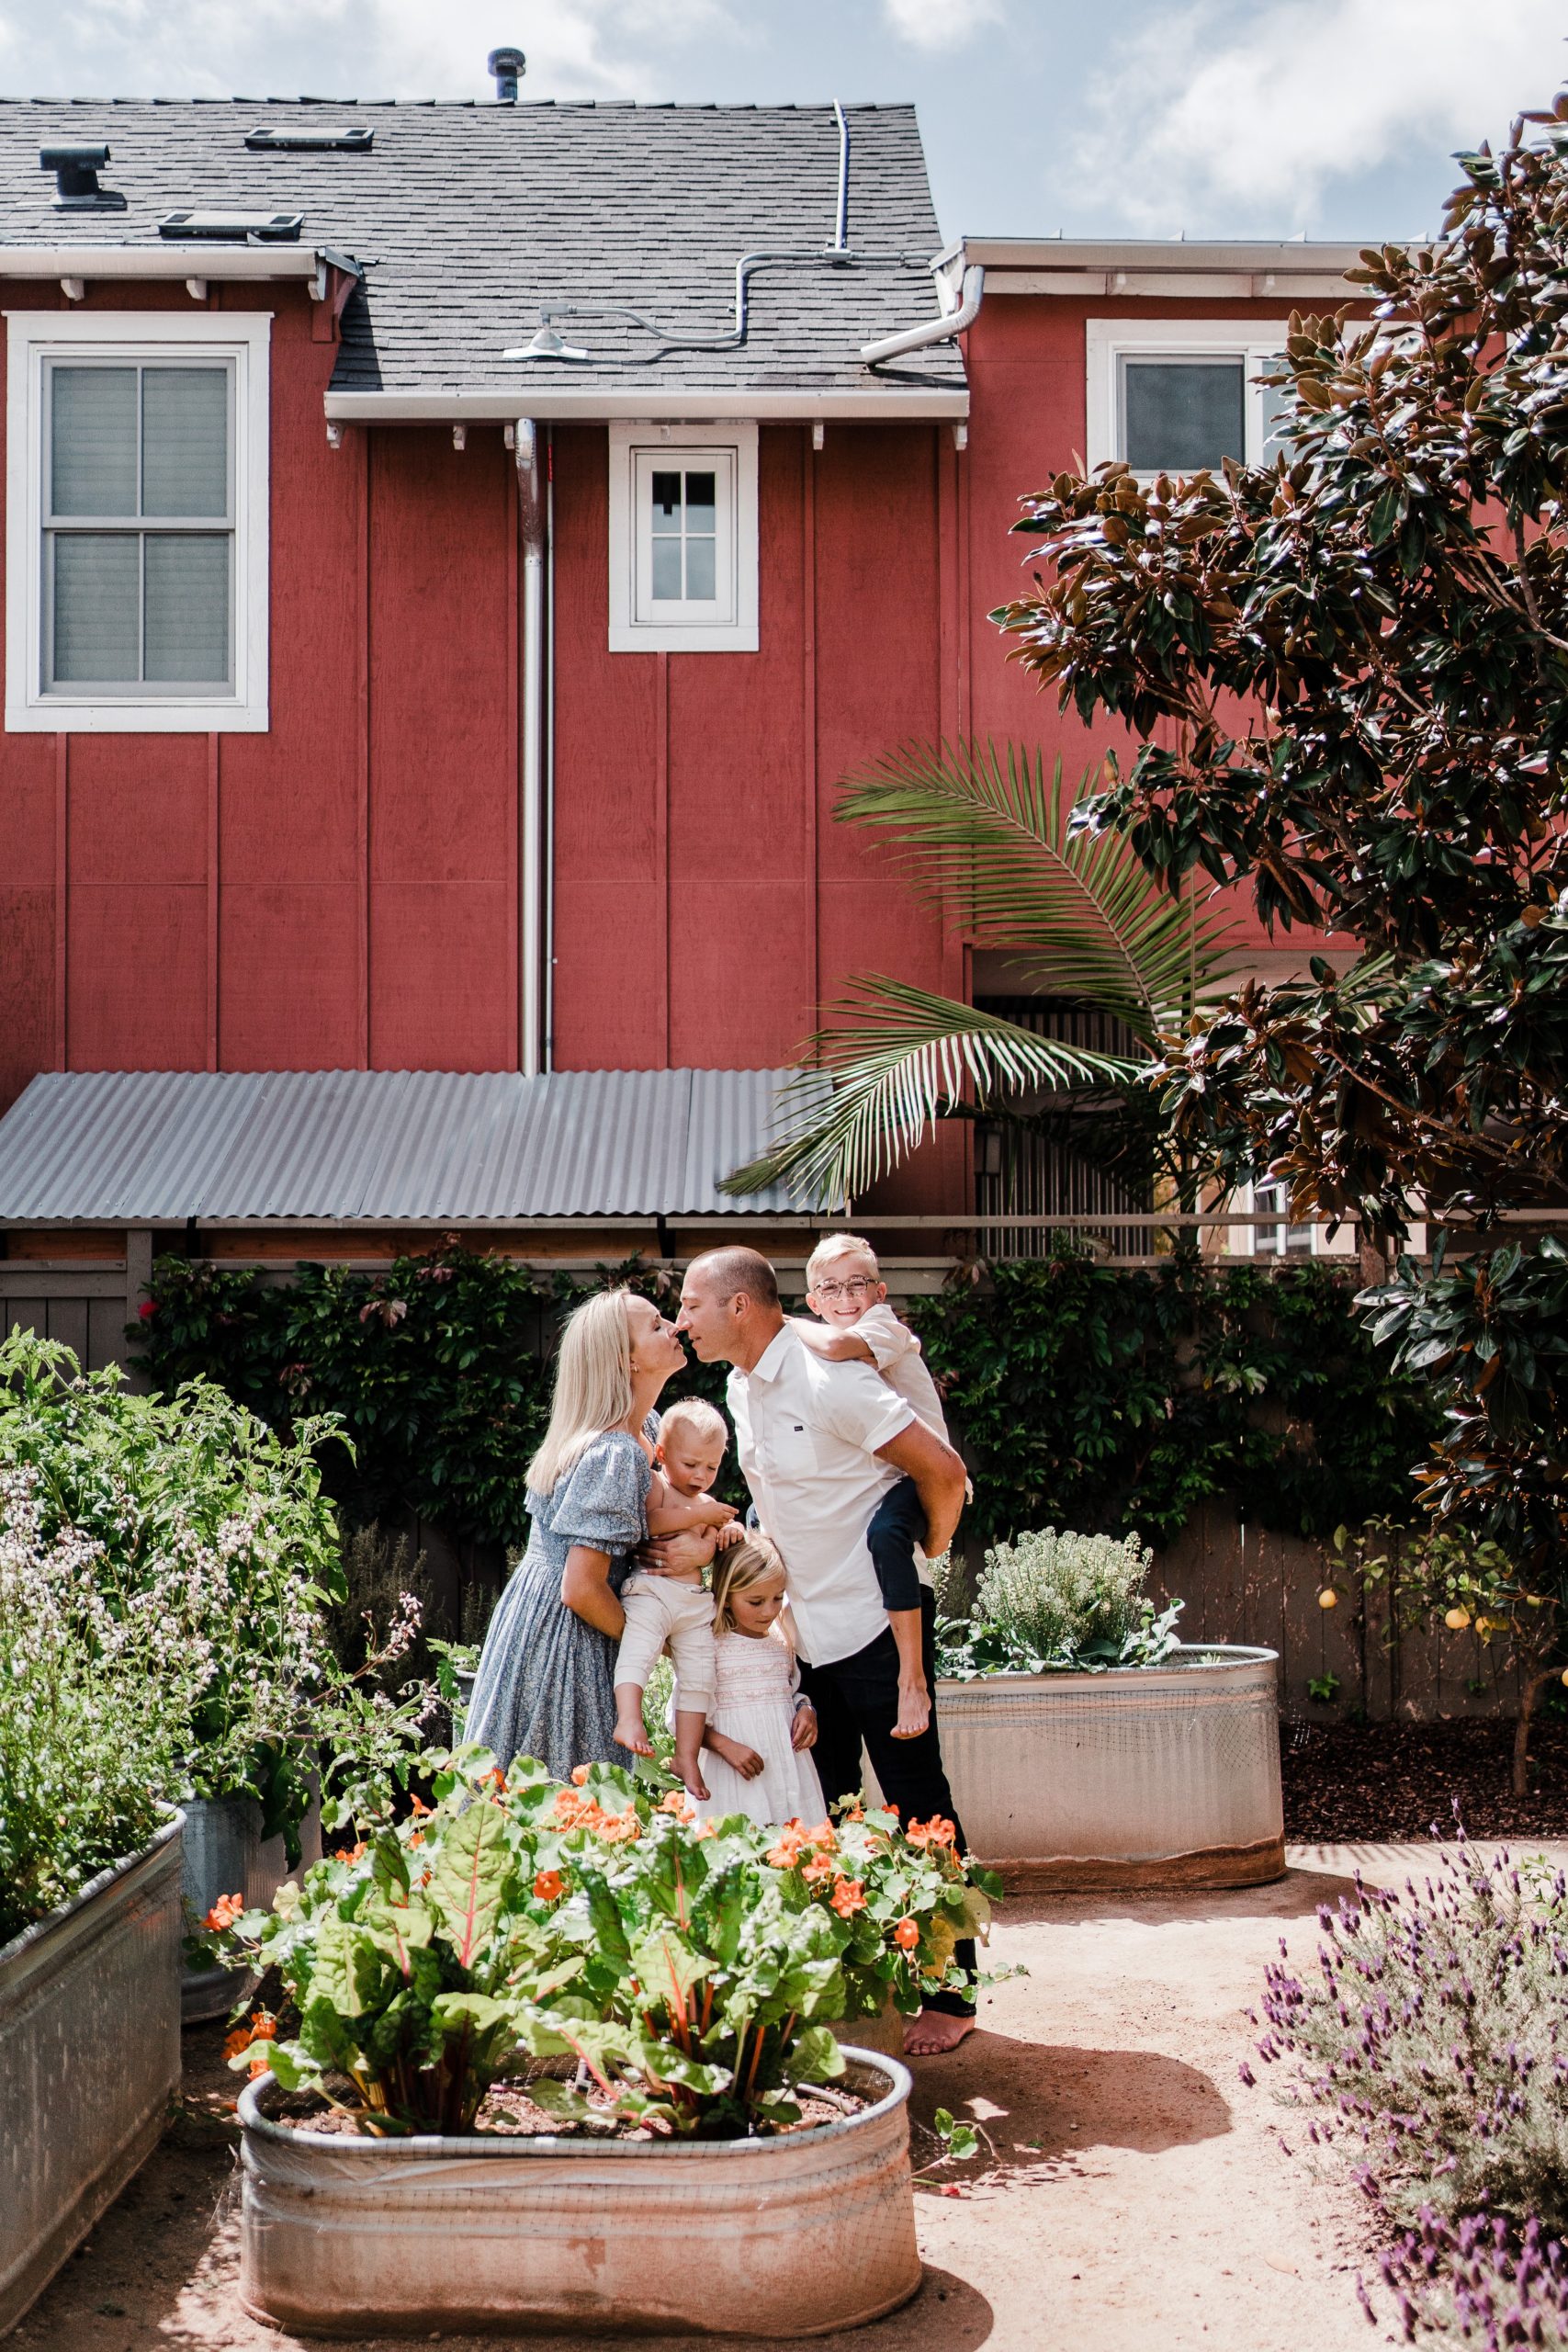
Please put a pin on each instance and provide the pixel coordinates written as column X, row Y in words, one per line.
column 1142, row 2196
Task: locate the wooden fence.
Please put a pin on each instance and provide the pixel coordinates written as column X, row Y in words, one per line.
column 1246, row 1584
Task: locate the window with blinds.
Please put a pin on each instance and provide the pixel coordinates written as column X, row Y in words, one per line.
column 138, row 517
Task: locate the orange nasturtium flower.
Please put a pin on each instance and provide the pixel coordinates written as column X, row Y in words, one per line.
column 224, row 1912
column 907, row 1934
column 822, row 1836
column 579, row 1775
column 819, row 1870
column 618, row 1828
column 240, row 2039
column 679, row 1804
column 547, row 1885
column 784, row 1855
column 350, row 1854
column 848, row 1897
column 417, row 1803
column 937, row 1831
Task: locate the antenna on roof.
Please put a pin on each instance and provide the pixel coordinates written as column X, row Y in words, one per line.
column 508, row 66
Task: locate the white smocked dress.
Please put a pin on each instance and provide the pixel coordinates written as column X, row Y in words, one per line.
column 756, row 1681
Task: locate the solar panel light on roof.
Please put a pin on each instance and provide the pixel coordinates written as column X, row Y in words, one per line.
column 347, row 141
column 76, row 172
column 235, row 228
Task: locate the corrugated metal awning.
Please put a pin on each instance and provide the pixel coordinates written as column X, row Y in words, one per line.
column 385, row 1147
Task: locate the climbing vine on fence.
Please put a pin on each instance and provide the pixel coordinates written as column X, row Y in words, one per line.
column 1085, row 1396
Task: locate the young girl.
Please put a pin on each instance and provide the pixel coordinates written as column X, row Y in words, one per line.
column 754, row 1750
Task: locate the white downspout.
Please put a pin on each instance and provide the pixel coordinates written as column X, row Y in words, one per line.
column 530, row 846
column 941, row 330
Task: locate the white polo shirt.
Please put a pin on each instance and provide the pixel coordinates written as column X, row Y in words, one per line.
column 807, row 1433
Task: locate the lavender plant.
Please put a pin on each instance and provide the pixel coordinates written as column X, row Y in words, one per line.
column 1432, row 2039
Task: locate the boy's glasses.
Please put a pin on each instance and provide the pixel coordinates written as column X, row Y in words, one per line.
column 854, row 1288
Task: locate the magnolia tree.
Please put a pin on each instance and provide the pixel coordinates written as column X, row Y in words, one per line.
column 1346, row 673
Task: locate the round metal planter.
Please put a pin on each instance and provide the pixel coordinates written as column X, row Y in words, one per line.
column 771, row 2238
column 1158, row 1775
column 225, row 1854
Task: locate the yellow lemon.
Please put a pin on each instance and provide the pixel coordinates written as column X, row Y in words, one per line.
column 1457, row 1620
column 1328, row 1598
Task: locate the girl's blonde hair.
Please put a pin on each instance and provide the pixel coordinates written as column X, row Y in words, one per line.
column 737, row 1571
column 594, row 1386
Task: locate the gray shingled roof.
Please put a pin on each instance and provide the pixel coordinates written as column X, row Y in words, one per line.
column 468, row 218
column 377, row 1146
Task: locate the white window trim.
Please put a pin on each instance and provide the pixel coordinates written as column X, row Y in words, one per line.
column 628, row 634
column 34, row 337
column 1107, row 341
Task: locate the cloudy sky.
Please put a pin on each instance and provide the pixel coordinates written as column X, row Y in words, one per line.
column 1335, row 117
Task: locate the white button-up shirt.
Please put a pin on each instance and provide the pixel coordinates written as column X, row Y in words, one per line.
column 806, row 1432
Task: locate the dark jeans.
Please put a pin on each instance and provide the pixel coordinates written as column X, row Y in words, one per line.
column 856, row 1699
column 897, row 1524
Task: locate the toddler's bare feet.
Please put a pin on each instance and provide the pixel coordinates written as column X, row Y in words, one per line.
column 690, row 1772
column 630, row 1730
column 914, row 1710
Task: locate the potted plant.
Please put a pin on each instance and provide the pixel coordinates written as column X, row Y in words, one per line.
column 92, row 1729
column 593, row 2028
column 1087, row 1745
column 204, row 1518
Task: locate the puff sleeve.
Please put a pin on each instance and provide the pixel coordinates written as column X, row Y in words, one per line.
column 601, row 1500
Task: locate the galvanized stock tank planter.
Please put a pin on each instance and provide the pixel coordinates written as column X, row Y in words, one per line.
column 225, row 1854
column 772, row 2238
column 89, row 2054
column 1145, row 1775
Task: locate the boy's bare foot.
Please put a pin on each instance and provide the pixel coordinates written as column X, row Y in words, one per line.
column 934, row 2032
column 914, row 1710
column 630, row 1730
column 691, row 1773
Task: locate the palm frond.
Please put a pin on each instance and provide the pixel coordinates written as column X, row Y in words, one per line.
column 881, row 1072
column 984, row 831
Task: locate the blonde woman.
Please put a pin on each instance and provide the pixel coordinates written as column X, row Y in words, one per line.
column 546, row 1684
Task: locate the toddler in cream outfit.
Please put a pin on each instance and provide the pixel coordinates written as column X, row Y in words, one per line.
column 672, row 1612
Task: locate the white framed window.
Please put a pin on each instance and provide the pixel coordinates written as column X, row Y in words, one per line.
column 683, row 538
column 1274, row 1235
column 136, row 536
column 1178, row 396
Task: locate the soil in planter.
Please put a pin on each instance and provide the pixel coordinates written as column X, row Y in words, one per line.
column 1344, row 1782
column 509, row 2113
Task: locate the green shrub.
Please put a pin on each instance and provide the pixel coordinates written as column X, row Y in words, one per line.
column 94, row 1705
column 1050, row 1602
column 196, row 1515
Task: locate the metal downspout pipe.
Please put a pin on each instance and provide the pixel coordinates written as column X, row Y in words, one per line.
column 533, row 531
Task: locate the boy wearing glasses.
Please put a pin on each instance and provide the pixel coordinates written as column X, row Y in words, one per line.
column 844, row 1287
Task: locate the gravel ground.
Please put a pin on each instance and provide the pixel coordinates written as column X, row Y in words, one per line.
column 1348, row 1780
column 1138, row 2194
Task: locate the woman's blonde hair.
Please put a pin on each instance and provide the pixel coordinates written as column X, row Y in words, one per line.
column 737, row 1571
column 593, row 1386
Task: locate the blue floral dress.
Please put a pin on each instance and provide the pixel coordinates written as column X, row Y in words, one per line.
column 546, row 1681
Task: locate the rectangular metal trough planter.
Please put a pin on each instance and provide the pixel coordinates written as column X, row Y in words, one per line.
column 1164, row 1776
column 799, row 2235
column 89, row 2055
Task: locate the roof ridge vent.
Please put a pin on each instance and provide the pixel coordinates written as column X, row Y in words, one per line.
column 76, row 172
column 235, row 228
column 349, row 141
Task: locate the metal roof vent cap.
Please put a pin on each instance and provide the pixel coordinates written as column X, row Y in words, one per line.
column 546, row 344
column 508, row 67
column 76, row 172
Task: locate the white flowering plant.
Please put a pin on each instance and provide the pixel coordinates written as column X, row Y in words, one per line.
column 1057, row 1603
column 208, row 1536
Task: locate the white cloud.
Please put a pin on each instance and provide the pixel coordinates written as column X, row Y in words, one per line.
column 939, row 24
column 1241, row 116
column 348, row 48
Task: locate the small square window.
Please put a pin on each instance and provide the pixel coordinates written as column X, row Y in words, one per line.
column 684, row 540
column 1181, row 415
column 1179, row 397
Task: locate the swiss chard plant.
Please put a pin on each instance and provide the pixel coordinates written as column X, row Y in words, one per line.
column 639, row 1966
